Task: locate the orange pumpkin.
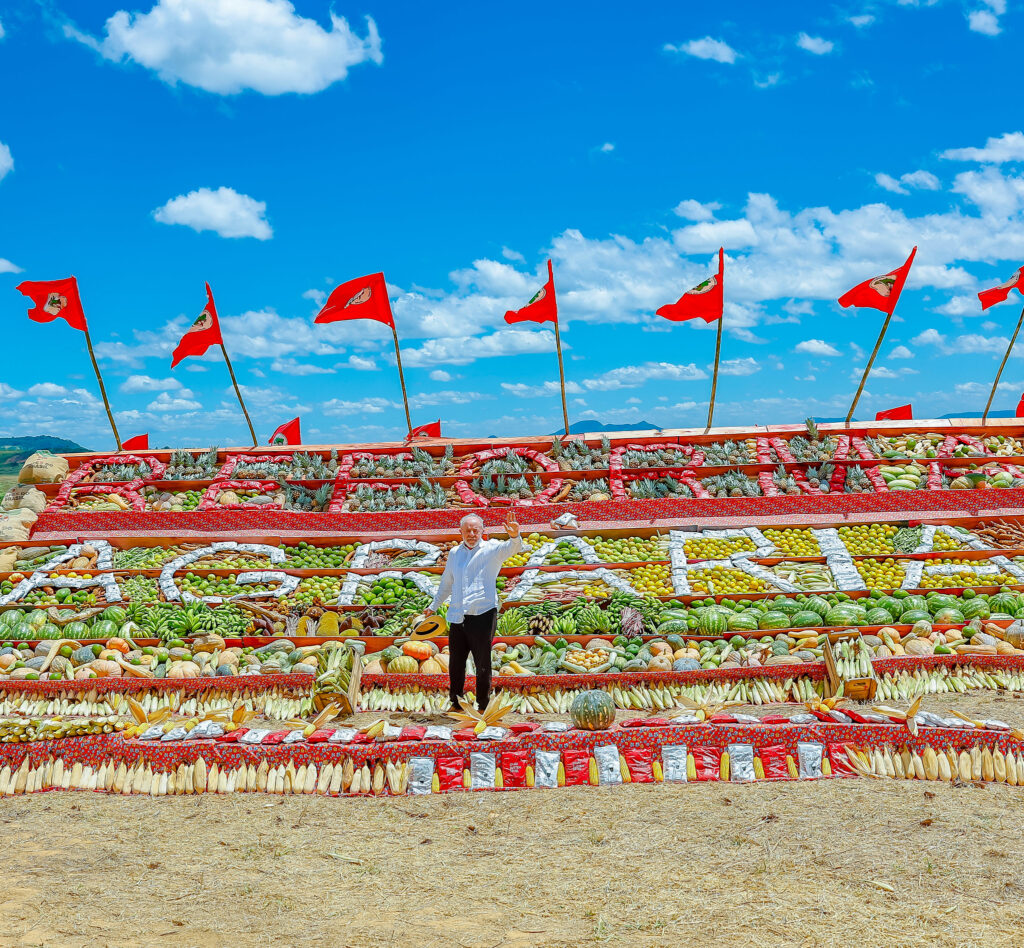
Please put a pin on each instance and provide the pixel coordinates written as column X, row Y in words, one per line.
column 420, row 650
column 119, row 644
column 658, row 648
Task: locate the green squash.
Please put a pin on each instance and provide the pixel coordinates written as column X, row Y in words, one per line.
column 592, row 711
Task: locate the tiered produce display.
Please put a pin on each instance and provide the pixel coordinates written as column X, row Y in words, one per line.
column 222, row 620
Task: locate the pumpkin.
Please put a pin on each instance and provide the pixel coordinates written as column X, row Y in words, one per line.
column 84, row 672
column 374, row 668
column 660, row 663
column 105, row 669
column 659, row 648
column 119, row 644
column 432, row 667
column 6, row 661
column 592, row 710
column 420, row 650
column 183, row 670
column 403, row 665
column 442, row 659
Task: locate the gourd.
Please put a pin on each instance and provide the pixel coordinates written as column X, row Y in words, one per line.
column 105, row 669
column 592, row 710
column 403, row 665
column 432, row 667
column 685, row 665
column 183, row 670
column 421, row 651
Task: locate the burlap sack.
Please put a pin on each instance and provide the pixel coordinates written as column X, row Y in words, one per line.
column 8, row 558
column 43, row 468
column 26, row 497
column 15, row 525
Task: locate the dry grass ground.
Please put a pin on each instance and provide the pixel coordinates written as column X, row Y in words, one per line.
column 852, row 862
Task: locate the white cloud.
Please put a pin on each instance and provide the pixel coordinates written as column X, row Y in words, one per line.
column 633, row 376
column 364, row 406
column 439, row 375
column 888, row 182
column 319, row 297
column 291, row 367
column 360, row 364
column 996, row 194
column 461, row 350
column 178, row 402
column 862, row 20
column 145, row 383
column 930, row 337
column 1008, row 147
column 6, row 161
column 745, row 366
column 607, row 147
column 960, row 306
column 227, row 46
column 988, row 325
column 224, row 211
column 984, row 21
column 692, row 210
column 814, row 44
column 923, row 180
column 633, row 400
column 901, row 352
column 522, row 390
column 428, row 399
column 509, row 254
column 2, row 33
column 7, row 267
column 816, row 347
column 706, row 48
column 766, row 82
column 48, row 390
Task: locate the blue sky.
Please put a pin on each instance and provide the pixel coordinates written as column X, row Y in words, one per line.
column 278, row 149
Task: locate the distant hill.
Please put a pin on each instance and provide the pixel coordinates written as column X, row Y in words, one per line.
column 14, row 450
column 581, row 427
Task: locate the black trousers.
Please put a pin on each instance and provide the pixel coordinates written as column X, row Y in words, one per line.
column 474, row 634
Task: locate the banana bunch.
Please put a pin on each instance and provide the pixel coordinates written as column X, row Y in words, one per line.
column 563, row 626
column 512, row 622
column 592, row 620
column 24, row 730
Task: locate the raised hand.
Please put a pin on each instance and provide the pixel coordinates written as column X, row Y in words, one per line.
column 511, row 526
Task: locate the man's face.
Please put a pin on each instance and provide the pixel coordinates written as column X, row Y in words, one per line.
column 472, row 532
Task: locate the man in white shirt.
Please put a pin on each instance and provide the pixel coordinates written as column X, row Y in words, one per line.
column 469, row 580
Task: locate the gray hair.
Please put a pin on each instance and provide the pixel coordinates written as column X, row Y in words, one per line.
column 469, row 517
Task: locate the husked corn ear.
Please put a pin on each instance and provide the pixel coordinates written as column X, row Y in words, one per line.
column 988, row 771
column 658, row 771
column 594, row 777
column 999, row 766
column 976, row 762
column 945, row 768
column 357, row 781
column 378, row 780
column 499, row 778
column 624, row 770
column 723, row 766
column 919, row 773
column 1011, row 769
column 791, row 767
column 561, row 774
column 964, row 766
column 691, row 767
column 890, row 767
column 467, row 779
column 758, row 768
column 529, row 775
column 897, row 766
column 435, row 784
column 931, row 764
column 199, row 775
column 826, row 766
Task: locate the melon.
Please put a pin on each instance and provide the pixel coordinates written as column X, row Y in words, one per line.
column 893, row 606
column 879, row 616
column 949, row 616
column 819, row 605
column 744, row 621
column 910, row 616
column 976, row 608
column 592, row 711
column 403, row 665
column 773, row 620
column 114, row 614
column 712, row 623
column 788, row 606
column 805, row 619
column 1003, row 602
column 685, row 665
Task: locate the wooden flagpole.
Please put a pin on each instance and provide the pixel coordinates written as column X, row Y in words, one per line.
column 103, row 389
column 1002, row 365
column 238, row 392
column 561, row 374
column 401, row 378
column 867, row 368
column 714, row 377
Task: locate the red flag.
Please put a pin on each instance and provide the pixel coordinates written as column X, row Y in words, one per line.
column 542, row 308
column 433, row 430
column 138, row 443
column 55, row 298
column 902, row 413
column 999, row 293
column 704, row 301
column 202, row 334
column 288, row 433
column 1020, row 407
column 879, row 292
column 363, row 298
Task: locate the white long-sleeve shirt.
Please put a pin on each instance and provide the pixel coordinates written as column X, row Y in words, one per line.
column 469, row 577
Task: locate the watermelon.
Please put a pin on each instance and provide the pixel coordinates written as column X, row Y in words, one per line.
column 915, row 602
column 976, row 608
column 949, row 616
column 36, row 619
column 114, row 614
column 893, row 606
column 76, row 630
column 773, row 620
column 8, row 620
column 104, row 629
column 819, row 605
column 942, row 601
column 48, row 631
column 1003, row 602
column 910, row 616
column 673, row 626
column 879, row 617
column 805, row 619
column 789, row 606
column 742, row 622
column 713, row 623
column 846, row 614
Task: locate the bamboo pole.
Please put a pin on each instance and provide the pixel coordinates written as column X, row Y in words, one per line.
column 714, row 377
column 401, row 378
column 103, row 389
column 561, row 375
column 1002, row 365
column 238, row 392
column 867, row 368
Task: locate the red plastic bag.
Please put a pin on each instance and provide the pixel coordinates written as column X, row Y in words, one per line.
column 412, row 733
column 449, row 773
column 523, row 727
column 775, row 719
column 318, row 737
column 841, row 766
column 232, row 736
column 513, row 768
column 707, row 762
column 276, row 738
column 632, row 722
column 773, row 759
column 464, row 734
column 638, row 763
column 577, row 767
column 721, row 718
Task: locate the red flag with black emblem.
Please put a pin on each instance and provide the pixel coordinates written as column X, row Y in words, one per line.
column 704, row 301
column 881, row 292
column 542, row 308
column 288, row 433
column 55, row 298
column 999, row 293
column 138, row 443
column 202, row 334
column 433, row 430
column 362, row 298
column 902, row 413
